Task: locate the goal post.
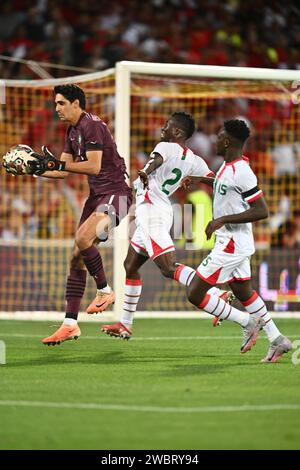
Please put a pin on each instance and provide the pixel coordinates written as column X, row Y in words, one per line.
column 122, row 134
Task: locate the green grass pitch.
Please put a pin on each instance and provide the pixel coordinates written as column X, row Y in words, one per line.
column 178, row 384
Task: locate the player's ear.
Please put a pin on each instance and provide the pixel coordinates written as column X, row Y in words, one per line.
column 76, row 103
column 178, row 132
column 226, row 142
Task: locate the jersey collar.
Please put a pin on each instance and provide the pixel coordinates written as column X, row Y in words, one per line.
column 82, row 115
column 234, row 161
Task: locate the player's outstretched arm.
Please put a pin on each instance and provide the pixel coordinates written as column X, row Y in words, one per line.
column 91, row 166
column 154, row 162
column 258, row 210
column 194, row 180
column 49, row 166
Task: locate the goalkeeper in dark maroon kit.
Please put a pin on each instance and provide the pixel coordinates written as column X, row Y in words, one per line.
column 89, row 150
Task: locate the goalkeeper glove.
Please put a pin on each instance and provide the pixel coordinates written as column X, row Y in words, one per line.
column 48, row 162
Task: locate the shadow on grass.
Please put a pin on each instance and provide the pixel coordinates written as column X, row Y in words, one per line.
column 66, row 358
column 199, row 369
column 181, row 362
column 179, row 365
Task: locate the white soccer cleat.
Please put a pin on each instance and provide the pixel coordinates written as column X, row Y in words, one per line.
column 251, row 332
column 277, row 349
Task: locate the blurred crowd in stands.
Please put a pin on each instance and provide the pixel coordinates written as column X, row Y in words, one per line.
column 96, row 34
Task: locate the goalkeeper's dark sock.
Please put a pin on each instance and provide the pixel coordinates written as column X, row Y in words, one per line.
column 93, row 262
column 74, row 291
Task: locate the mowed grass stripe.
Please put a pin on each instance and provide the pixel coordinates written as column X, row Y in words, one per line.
column 153, row 409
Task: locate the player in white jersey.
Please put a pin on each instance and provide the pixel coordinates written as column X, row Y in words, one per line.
column 237, row 203
column 170, row 162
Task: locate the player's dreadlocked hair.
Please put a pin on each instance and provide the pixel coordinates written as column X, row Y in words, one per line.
column 71, row 93
column 185, row 122
column 238, row 129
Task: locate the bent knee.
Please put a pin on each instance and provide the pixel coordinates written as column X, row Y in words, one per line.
column 126, row 265
column 77, row 261
column 194, row 295
column 167, row 272
column 129, row 268
column 83, row 242
column 191, row 295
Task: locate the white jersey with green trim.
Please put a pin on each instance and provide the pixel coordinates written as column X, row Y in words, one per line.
column 234, row 187
column 178, row 162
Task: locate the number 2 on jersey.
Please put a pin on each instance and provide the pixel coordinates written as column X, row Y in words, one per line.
column 171, row 181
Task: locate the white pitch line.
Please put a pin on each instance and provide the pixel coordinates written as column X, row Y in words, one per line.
column 145, row 338
column 152, row 409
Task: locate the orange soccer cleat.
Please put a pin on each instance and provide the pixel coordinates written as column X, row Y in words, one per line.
column 101, row 302
column 118, row 330
column 228, row 297
column 64, row 333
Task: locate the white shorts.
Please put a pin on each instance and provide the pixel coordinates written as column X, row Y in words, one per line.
column 152, row 235
column 219, row 267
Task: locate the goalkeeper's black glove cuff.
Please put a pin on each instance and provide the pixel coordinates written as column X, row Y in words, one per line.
column 51, row 162
column 55, row 164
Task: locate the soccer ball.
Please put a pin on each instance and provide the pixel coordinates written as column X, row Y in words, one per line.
column 17, row 158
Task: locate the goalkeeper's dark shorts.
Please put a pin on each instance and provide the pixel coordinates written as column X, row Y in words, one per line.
column 115, row 205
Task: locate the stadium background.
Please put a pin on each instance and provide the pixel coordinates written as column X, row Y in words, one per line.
column 38, row 216
column 95, row 35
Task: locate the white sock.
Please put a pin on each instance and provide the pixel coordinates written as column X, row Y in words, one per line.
column 70, row 322
column 184, row 274
column 215, row 291
column 256, row 306
column 133, row 290
column 105, row 290
column 219, row 308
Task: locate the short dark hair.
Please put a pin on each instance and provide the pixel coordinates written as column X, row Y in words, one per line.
column 238, row 129
column 186, row 122
column 71, row 93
